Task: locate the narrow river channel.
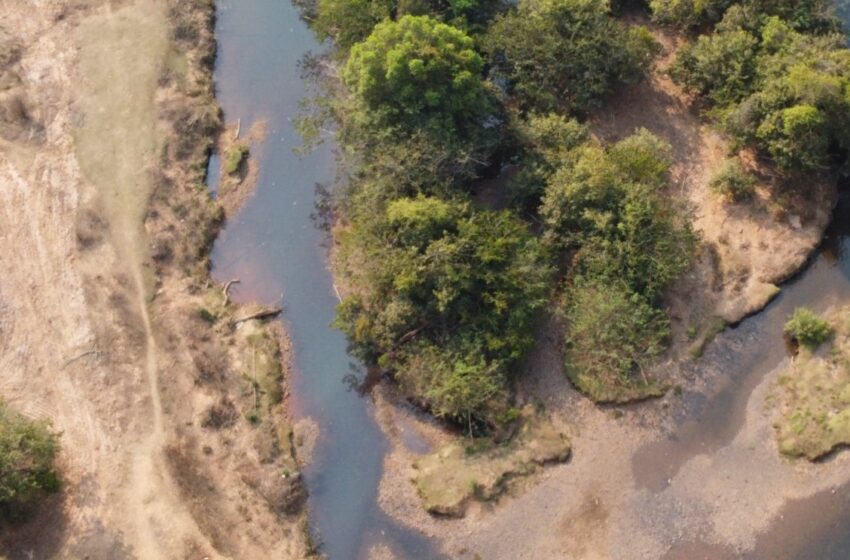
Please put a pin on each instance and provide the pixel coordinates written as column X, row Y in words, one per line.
column 280, row 254
column 277, row 251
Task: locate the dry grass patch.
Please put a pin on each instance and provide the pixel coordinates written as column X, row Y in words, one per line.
column 814, row 395
column 449, row 478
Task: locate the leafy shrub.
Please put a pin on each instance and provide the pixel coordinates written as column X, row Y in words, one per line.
column 732, row 182
column 235, row 156
column 688, row 13
column 27, row 453
column 631, row 243
column 445, row 298
column 349, row 22
column 565, row 54
column 807, row 328
column 804, row 15
column 614, row 335
column 417, row 74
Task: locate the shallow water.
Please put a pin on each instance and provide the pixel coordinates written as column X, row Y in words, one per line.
column 274, row 247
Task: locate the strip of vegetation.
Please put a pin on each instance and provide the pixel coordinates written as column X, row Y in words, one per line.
column 444, row 293
column 27, row 455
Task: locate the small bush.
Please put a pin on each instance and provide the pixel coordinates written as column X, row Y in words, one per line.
column 807, row 328
column 235, row 156
column 27, row 453
column 732, row 182
column 206, row 315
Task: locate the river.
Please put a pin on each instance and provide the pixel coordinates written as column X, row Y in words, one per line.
column 274, row 246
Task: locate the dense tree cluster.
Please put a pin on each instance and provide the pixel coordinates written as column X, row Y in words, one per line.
column 804, row 15
column 775, row 74
column 607, row 206
column 444, row 292
column 348, row 22
column 565, row 55
column 448, row 297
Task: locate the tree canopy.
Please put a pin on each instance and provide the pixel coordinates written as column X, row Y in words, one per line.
column 418, row 77
column 772, row 87
column 446, row 296
column 565, row 55
column 348, row 22
column 630, row 243
column 27, row 453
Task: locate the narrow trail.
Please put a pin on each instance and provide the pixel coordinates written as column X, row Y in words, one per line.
column 116, row 145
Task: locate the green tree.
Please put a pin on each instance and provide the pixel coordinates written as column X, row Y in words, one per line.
column 614, row 335
column 796, row 137
column 803, row 15
column 348, row 22
column 688, row 13
column 445, row 297
column 417, row 74
column 27, row 453
column 771, row 87
column 565, row 55
column 606, row 208
column 719, row 66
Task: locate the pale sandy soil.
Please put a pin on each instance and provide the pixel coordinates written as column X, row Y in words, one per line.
column 102, row 218
column 600, row 505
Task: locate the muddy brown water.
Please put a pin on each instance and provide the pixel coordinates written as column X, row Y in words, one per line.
column 277, row 251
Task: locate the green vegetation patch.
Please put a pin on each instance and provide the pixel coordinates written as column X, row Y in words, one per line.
column 775, row 74
column 814, row 393
column 732, row 182
column 605, row 205
column 28, row 452
column 447, row 298
column 566, row 55
column 445, row 294
column 235, row 157
column 807, row 328
column 449, row 478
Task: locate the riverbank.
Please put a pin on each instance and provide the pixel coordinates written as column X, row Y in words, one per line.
column 175, row 442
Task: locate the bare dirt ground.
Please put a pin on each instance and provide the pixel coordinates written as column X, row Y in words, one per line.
column 174, row 444
column 718, row 502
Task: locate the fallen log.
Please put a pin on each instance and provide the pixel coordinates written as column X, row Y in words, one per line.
column 264, row 314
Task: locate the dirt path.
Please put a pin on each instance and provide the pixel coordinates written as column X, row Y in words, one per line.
column 121, row 54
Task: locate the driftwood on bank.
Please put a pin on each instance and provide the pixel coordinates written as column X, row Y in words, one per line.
column 267, row 313
column 226, row 290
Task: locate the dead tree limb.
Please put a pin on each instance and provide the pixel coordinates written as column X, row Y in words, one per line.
column 264, row 314
column 80, row 356
column 226, row 290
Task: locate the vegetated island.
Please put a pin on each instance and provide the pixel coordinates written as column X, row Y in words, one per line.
column 814, row 392
column 639, row 230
